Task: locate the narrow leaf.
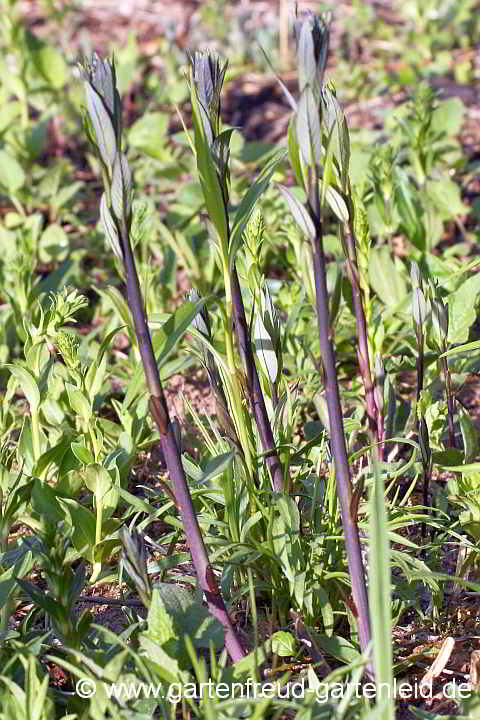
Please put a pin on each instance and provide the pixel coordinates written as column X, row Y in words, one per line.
column 337, row 204
column 28, row 385
column 121, row 188
column 102, row 125
column 380, row 597
column 309, row 132
column 265, row 350
column 109, row 227
column 299, row 212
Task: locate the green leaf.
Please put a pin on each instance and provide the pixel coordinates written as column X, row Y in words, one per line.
column 207, row 171
column 181, row 247
column 96, row 374
column 337, row 204
column 149, row 134
column 45, row 502
column 265, row 350
column 288, row 508
column 159, row 622
column 445, row 195
column 12, row 176
column 462, row 311
column 338, row 647
column 283, row 644
column 65, row 194
column 247, row 666
column 104, row 549
column 419, row 308
column 137, row 503
column 385, row 277
column 102, row 125
column 285, row 537
column 47, row 603
column 165, row 666
column 289, row 97
column 82, row 453
column 82, row 521
column 98, row 480
column 79, row 402
column 221, row 155
column 294, row 153
column 449, row 116
column 17, row 501
column 329, row 174
column 190, row 617
column 55, row 280
column 216, row 466
column 192, row 470
column 409, row 210
column 177, row 325
column 54, row 244
column 309, row 133
column 10, row 576
column 48, row 61
column 28, row 385
column 379, row 591
column 469, row 436
column 121, row 189
column 467, row 347
column 326, row 609
column 121, row 306
column 109, row 227
column 307, row 67
column 299, row 212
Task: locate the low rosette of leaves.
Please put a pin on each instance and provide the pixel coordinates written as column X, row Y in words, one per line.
column 64, row 584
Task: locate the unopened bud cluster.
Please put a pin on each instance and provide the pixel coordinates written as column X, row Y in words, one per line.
column 103, row 125
column 68, row 345
column 208, row 74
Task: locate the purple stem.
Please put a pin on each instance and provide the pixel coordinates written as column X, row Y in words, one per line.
column 337, row 434
column 159, row 411
column 362, row 339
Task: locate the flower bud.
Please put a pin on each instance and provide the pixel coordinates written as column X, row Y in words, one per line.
column 208, row 75
column 103, row 108
column 311, row 33
column 68, row 345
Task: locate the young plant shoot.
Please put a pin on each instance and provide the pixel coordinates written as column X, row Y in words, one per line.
column 103, row 125
column 311, row 152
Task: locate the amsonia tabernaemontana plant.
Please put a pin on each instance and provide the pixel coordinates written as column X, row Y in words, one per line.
column 319, row 152
column 103, row 126
column 212, row 154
